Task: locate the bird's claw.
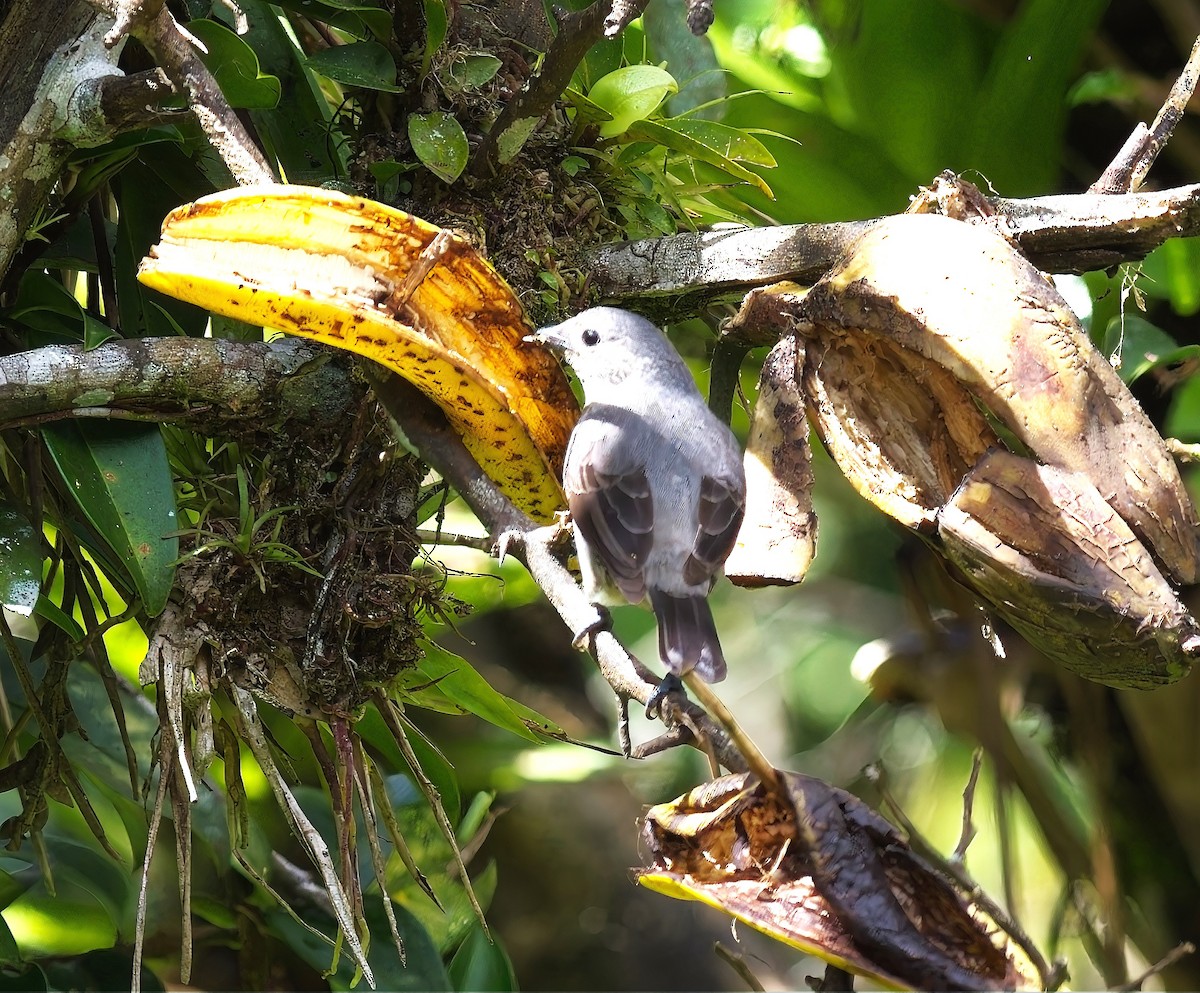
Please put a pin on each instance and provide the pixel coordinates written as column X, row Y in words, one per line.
column 671, row 683
column 511, row 537
column 602, row 622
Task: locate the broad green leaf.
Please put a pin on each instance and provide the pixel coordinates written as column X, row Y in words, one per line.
column 10, row 954
column 1141, row 346
column 235, row 67
column 297, row 133
column 474, row 70
column 480, row 964
column 1172, row 271
column 723, row 141
column 48, row 610
column 11, row 887
column 631, row 94
column 437, row 23
column 670, row 135
column 465, row 687
column 363, row 63
column 20, row 562
column 440, row 143
column 702, row 82
column 118, row 475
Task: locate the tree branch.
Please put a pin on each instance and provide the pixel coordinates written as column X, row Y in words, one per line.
column 207, row 383
column 1067, row 233
column 152, row 24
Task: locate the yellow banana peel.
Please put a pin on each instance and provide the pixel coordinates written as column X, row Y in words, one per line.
column 390, row 287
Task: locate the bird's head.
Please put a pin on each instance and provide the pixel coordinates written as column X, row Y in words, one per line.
column 606, row 346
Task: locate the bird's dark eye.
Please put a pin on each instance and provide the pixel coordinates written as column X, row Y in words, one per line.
column 591, row 336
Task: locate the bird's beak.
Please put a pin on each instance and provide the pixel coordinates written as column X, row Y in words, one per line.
column 547, row 337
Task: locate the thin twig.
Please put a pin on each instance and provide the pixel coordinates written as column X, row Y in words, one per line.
column 738, row 964
column 1127, row 172
column 577, row 32
column 1180, row 951
column 968, row 826
column 1051, row 975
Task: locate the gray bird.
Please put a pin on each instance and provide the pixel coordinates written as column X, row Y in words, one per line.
column 654, row 481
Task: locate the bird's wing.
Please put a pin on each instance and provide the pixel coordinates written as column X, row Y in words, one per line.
column 610, row 502
column 722, row 506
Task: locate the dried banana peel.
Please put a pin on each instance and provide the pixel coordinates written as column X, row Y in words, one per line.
column 1061, row 566
column 843, row 885
column 962, row 297
column 388, row 286
column 778, row 536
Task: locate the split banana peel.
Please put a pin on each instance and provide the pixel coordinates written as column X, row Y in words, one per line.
column 393, row 288
column 954, row 388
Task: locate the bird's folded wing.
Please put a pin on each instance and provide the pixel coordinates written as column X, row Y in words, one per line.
column 722, row 505
column 611, row 504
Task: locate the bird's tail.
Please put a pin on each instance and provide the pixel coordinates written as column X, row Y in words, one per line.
column 687, row 636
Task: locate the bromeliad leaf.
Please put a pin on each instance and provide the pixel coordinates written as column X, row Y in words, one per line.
column 440, row 143
column 464, row 686
column 118, row 476
column 234, row 64
column 629, row 94
column 716, row 144
column 20, row 562
column 363, row 63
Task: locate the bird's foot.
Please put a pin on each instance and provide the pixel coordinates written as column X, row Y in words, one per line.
column 603, row 622
column 671, row 683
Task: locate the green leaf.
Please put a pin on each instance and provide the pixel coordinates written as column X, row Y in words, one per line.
column 1172, row 271
column 363, row 63
column 480, row 964
column 437, row 23
column 440, row 143
column 20, row 562
column 465, row 687
column 690, row 58
column 1141, row 346
column 631, row 94
column 235, row 67
column 48, row 610
column 118, row 475
column 296, row 133
column 681, row 136
column 474, row 70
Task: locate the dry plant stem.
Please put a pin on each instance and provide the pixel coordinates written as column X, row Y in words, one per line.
column 738, row 964
column 1051, row 976
column 968, row 825
column 280, row 901
column 753, row 755
column 366, row 803
column 379, row 791
column 183, row 860
column 139, row 939
column 394, row 719
column 1128, row 170
column 251, row 732
column 152, row 24
column 1182, row 950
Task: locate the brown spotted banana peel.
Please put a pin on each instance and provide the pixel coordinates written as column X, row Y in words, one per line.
column 1062, row 567
column 961, row 296
column 376, row 281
